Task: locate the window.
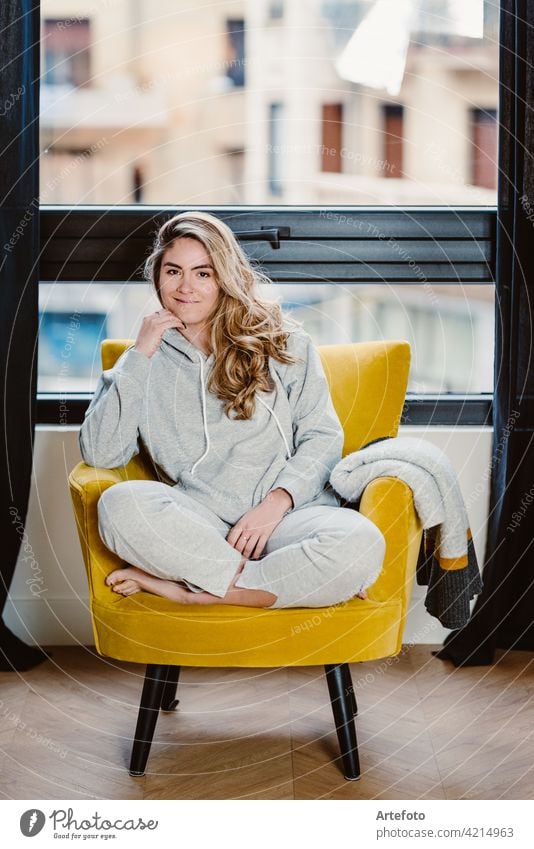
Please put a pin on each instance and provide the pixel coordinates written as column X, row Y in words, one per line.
column 484, row 147
column 190, row 81
column 275, row 9
column 393, row 116
column 66, row 51
column 172, row 120
column 67, row 342
column 332, row 137
column 235, row 177
column 235, row 52
column 446, row 326
column 329, row 269
column 137, row 184
column 276, row 148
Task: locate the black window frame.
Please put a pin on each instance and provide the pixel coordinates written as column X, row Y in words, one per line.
column 380, row 244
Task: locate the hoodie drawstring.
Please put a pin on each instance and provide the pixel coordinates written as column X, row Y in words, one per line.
column 204, row 418
column 277, row 423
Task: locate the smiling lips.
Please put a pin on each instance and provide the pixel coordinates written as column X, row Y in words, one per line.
column 180, row 301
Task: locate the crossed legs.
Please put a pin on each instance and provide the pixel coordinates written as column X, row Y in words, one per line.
column 316, row 556
column 132, row 580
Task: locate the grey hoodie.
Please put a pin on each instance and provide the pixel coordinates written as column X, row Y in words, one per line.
column 162, row 403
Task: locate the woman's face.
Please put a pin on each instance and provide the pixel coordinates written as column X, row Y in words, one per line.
column 187, row 283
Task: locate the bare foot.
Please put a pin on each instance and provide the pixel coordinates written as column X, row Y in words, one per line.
column 132, row 579
column 127, row 587
column 362, row 594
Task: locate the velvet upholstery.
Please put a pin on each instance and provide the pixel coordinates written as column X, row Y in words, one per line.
column 368, row 384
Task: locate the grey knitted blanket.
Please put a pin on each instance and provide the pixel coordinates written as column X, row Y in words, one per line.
column 447, row 560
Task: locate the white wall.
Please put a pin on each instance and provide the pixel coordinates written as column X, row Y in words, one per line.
column 49, row 600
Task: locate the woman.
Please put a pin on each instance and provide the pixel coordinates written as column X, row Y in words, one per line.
column 229, row 399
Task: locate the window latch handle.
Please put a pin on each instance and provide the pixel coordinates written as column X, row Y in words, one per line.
column 265, row 234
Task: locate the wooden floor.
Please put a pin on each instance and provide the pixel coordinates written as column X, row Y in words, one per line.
column 425, row 730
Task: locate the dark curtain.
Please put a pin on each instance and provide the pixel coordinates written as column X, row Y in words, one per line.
column 19, row 241
column 503, row 615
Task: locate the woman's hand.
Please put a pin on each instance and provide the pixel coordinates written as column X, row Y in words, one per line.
column 152, row 329
column 250, row 534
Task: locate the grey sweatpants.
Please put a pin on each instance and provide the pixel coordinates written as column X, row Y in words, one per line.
column 316, row 556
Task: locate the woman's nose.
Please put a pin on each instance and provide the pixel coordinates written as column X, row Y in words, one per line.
column 185, row 285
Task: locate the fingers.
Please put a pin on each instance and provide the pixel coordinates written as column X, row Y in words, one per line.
column 166, row 318
column 259, row 547
column 250, row 534
column 242, row 539
column 250, row 545
column 233, row 535
column 152, row 329
column 248, row 542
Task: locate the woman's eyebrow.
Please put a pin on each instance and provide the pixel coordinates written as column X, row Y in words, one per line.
column 195, row 267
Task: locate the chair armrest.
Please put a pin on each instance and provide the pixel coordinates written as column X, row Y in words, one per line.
column 83, row 476
column 388, row 502
column 87, row 483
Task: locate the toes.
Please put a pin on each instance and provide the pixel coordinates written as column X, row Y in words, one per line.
column 113, row 577
column 125, row 587
column 116, row 576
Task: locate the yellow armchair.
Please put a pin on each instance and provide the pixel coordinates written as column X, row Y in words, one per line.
column 368, row 384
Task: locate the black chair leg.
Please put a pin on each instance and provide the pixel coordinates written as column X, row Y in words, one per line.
column 169, row 701
column 155, row 680
column 349, row 688
column 344, row 720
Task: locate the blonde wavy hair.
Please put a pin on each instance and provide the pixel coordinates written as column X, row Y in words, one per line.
column 245, row 329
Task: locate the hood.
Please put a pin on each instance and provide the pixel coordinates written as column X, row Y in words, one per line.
column 175, row 345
